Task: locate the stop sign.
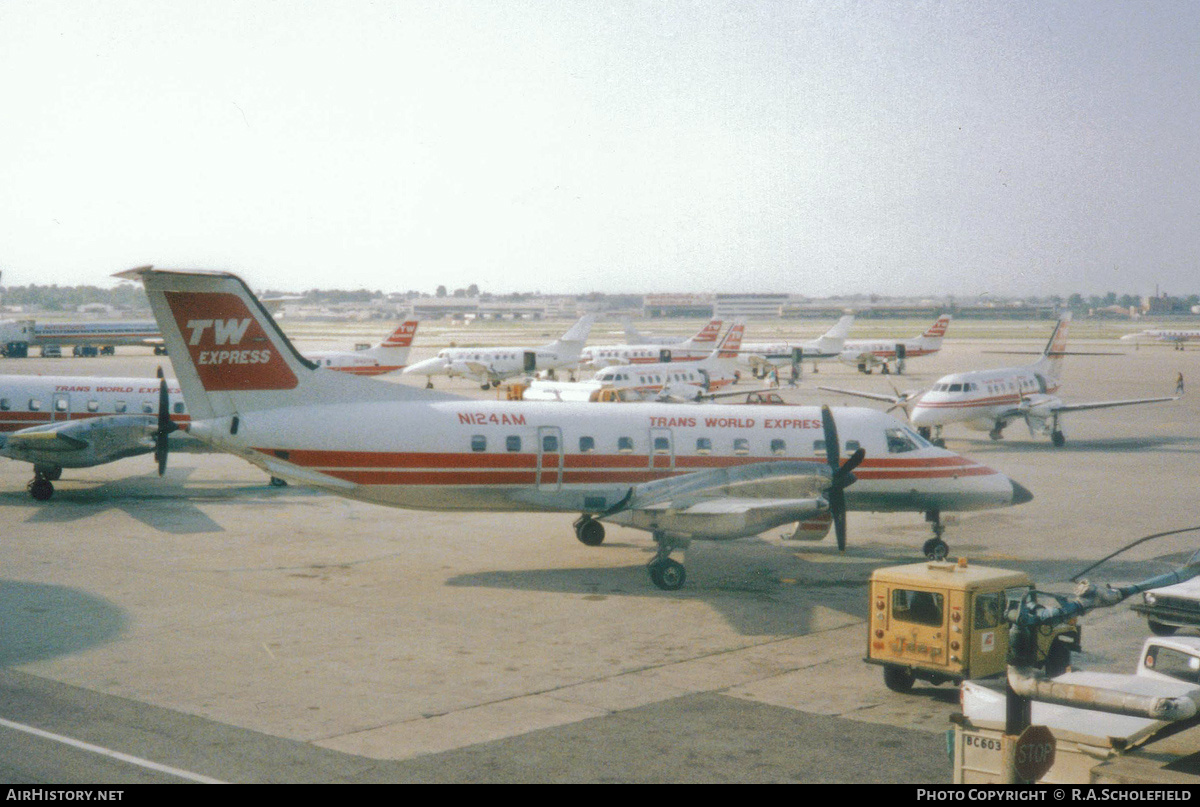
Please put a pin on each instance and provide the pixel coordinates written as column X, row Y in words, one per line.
column 1034, row 753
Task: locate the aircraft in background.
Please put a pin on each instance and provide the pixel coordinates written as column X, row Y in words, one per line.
column 670, row 381
column 635, row 337
column 57, row 422
column 764, row 356
column 677, row 471
column 866, row 354
column 988, row 400
column 692, row 349
column 90, row 338
column 388, row 356
column 1176, row 336
column 488, row 366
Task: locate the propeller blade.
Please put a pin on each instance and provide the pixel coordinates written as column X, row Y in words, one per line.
column 832, row 452
column 165, row 427
column 837, row 508
column 842, row 477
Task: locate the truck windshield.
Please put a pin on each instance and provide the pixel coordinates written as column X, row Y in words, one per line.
column 921, row 607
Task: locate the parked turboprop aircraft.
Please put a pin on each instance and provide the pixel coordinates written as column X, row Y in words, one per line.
column 988, row 400
column 762, row 356
column 693, row 349
column 676, row 471
column 490, row 365
column 57, row 422
column 688, row 381
column 1176, row 336
column 868, row 353
column 388, row 356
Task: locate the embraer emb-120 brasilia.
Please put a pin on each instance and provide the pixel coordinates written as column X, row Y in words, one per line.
column 674, row 470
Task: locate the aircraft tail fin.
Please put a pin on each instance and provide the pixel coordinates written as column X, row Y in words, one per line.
column 402, row 336
column 938, row 329
column 1052, row 355
column 706, row 337
column 230, row 355
column 832, row 340
column 732, row 342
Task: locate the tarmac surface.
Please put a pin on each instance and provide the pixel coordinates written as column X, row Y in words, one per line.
column 206, row 626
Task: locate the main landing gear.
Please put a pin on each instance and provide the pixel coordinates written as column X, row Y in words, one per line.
column 935, row 548
column 40, row 487
column 667, row 574
column 589, row 531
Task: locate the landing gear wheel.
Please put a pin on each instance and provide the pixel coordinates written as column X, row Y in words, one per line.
column 1159, row 629
column 589, row 531
column 1058, row 439
column 41, row 489
column 935, row 549
column 667, row 574
column 276, row 482
column 898, row 679
column 429, row 384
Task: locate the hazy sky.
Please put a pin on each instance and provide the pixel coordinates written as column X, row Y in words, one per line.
column 606, row 145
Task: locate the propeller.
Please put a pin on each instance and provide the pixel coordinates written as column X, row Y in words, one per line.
column 902, row 400
column 842, row 478
column 165, row 426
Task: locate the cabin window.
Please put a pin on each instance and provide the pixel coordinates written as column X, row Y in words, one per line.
column 898, row 442
column 177, row 408
column 60, row 405
column 625, row 445
column 919, row 607
column 512, row 443
column 120, row 407
column 741, row 446
column 93, row 406
column 5, row 405
column 478, row 442
column 703, row 445
column 778, row 447
column 35, row 405
column 549, row 444
column 148, row 407
column 662, row 445
column 818, row 446
column 587, row 445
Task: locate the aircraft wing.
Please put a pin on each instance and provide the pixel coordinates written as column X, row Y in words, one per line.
column 54, row 437
column 1079, row 407
column 726, row 502
column 874, row 396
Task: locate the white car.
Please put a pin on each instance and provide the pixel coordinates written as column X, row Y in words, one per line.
column 1170, row 608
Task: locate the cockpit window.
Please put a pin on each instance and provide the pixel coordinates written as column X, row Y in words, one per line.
column 899, row 442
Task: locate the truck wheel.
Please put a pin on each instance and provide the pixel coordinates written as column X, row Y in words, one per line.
column 1159, row 629
column 898, row 679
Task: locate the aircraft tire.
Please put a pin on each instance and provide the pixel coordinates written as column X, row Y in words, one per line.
column 1058, row 439
column 41, row 489
column 898, row 679
column 935, row 549
column 590, row 532
column 669, row 575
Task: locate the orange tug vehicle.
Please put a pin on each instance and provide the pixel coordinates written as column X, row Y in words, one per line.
column 940, row 622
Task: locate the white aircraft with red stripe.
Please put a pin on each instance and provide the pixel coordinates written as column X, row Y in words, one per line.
column 488, row 366
column 57, row 422
column 989, row 400
column 866, row 354
column 388, row 356
column 692, row 349
column 674, row 470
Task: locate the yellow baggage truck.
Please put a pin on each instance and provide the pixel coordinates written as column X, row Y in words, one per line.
column 940, row 622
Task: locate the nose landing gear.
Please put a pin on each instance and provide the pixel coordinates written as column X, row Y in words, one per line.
column 935, row 548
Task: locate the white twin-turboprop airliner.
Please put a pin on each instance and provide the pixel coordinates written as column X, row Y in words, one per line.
column 675, row 470
column 988, row 400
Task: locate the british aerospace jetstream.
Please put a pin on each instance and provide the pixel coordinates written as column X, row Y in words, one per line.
column 672, row 470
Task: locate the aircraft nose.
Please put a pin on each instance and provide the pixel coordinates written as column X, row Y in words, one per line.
column 1021, row 493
